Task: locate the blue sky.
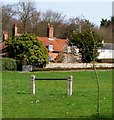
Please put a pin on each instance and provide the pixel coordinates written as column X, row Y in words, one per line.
column 92, row 11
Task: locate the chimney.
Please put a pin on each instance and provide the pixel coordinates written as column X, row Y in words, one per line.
column 50, row 31
column 14, row 30
column 5, row 36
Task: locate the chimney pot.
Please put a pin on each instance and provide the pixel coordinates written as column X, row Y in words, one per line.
column 5, row 36
column 14, row 30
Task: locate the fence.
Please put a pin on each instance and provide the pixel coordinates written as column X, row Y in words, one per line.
column 33, row 79
column 79, row 65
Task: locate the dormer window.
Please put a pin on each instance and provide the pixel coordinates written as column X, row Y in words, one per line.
column 50, row 47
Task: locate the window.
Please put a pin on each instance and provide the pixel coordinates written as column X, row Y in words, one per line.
column 50, row 47
column 102, row 50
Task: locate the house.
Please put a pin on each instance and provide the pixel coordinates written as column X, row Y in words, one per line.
column 3, row 47
column 106, row 53
column 56, row 46
column 53, row 44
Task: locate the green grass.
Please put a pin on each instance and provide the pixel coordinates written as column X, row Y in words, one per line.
column 51, row 100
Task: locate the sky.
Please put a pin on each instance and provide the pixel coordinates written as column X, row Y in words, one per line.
column 93, row 11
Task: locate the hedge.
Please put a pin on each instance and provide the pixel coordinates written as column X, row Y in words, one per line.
column 7, row 64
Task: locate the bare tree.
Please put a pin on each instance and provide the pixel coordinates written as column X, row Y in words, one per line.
column 54, row 17
column 106, row 33
column 7, row 17
column 26, row 12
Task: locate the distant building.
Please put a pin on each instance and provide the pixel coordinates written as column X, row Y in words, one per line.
column 3, row 47
column 106, row 53
column 53, row 44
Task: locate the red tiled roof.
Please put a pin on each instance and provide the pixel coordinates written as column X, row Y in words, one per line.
column 2, row 47
column 53, row 55
column 3, row 54
column 58, row 44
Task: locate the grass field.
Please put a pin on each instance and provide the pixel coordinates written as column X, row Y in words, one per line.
column 51, row 100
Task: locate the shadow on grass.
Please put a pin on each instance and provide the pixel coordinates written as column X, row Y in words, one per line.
column 22, row 92
column 93, row 117
column 100, row 117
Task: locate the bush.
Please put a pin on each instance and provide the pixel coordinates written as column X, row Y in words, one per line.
column 60, row 58
column 7, row 64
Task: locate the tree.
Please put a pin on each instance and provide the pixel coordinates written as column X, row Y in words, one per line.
column 76, row 25
column 113, row 28
column 88, row 41
column 106, row 29
column 112, row 19
column 60, row 58
column 27, row 49
column 106, row 33
column 53, row 17
column 7, row 17
column 105, row 23
column 26, row 13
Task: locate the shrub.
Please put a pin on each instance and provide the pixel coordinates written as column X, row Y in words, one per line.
column 60, row 58
column 7, row 64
